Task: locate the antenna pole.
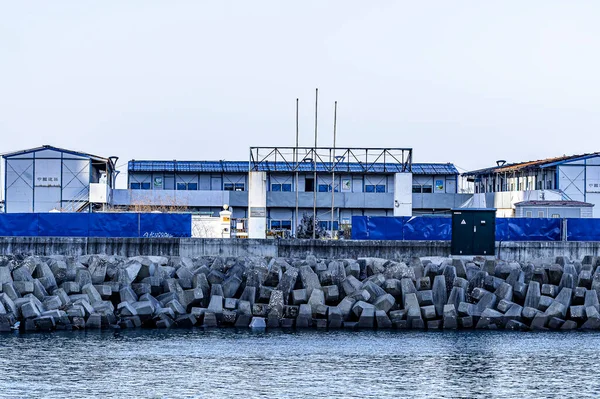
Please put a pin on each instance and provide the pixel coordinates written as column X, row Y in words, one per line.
column 333, row 165
column 297, row 222
column 315, row 168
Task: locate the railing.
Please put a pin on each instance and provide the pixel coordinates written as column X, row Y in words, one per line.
column 79, row 202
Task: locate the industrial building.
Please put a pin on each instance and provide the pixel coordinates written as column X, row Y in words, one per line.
column 565, row 178
column 365, row 182
column 288, row 183
column 553, row 209
column 46, row 179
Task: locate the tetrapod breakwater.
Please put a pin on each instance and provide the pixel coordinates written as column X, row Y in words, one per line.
column 45, row 293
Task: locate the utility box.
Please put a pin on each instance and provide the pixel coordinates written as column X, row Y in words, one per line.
column 473, row 232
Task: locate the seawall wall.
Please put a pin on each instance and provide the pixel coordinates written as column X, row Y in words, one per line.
column 194, row 247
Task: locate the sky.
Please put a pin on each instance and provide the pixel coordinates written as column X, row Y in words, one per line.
column 458, row 81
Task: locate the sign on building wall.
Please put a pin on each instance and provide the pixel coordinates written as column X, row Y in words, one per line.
column 258, row 212
column 439, row 185
column 592, row 179
column 47, row 181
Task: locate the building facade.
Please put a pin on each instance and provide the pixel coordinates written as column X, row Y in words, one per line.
column 553, row 209
column 204, row 186
column 48, row 179
column 566, row 178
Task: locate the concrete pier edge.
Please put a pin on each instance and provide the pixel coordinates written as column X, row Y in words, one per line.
column 191, row 247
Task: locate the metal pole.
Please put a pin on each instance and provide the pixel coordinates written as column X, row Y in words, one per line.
column 315, row 168
column 333, row 166
column 296, row 166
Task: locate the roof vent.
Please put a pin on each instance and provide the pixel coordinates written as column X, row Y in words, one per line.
column 500, row 162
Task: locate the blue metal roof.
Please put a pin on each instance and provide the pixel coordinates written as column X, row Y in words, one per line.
column 243, row 167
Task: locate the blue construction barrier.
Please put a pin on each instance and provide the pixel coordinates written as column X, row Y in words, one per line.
column 528, row 229
column 63, row 224
column 583, row 229
column 18, row 224
column 439, row 228
column 427, row 228
column 401, row 228
column 165, row 225
column 114, row 225
column 95, row 225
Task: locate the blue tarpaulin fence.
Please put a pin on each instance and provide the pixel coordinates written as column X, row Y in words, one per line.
column 440, row 229
column 401, row 228
column 583, row 229
column 96, row 225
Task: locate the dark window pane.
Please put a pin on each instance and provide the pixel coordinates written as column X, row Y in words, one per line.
column 135, row 186
column 146, row 185
column 192, row 186
column 335, row 225
column 369, row 188
column 275, row 187
column 286, row 187
column 286, row 224
column 416, row 189
column 275, row 224
column 228, row 186
column 380, row 188
column 181, row 186
column 239, row 186
column 323, row 188
column 309, row 185
column 427, row 189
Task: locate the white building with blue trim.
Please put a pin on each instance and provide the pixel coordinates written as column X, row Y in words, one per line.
column 564, row 178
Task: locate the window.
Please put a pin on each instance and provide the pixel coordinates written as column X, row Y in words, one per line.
column 286, row 224
column 323, row 188
column 380, row 188
column 281, row 187
column 528, row 214
column 281, row 224
column 240, row 187
column 228, row 186
column 427, row 188
column 145, row 185
column 135, row 186
column 309, row 184
column 417, row 189
column 187, row 186
column 541, row 214
column 326, row 224
column 555, row 216
column 369, row 188
column 549, row 184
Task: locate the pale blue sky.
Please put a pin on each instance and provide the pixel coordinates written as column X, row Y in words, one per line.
column 458, row 81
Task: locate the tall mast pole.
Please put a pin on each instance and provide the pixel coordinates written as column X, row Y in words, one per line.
column 333, row 166
column 315, row 167
column 296, row 167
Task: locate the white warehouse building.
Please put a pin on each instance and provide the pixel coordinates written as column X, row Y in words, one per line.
column 565, row 178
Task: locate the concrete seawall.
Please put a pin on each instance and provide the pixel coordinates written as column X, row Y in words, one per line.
column 194, row 247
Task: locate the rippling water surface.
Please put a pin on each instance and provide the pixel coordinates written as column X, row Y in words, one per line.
column 245, row 364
